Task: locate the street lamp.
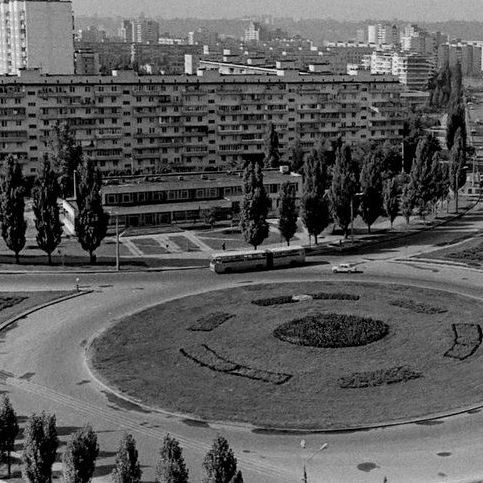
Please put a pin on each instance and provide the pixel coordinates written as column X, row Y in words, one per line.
column 307, row 459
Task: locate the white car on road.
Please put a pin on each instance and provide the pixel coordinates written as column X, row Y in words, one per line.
column 345, row 268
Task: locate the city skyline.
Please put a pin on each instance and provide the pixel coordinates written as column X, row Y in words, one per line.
column 424, row 10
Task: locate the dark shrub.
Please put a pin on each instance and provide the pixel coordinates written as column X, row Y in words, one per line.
column 210, row 322
column 378, row 378
column 281, row 299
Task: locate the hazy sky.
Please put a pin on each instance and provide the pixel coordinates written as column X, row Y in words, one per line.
column 340, row 9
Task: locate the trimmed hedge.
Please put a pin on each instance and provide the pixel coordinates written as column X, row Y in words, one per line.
column 378, row 378
column 7, row 302
column 418, row 307
column 210, row 322
column 332, row 331
column 207, row 357
column 467, row 339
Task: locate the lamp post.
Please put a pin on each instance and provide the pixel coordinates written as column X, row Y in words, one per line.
column 118, row 260
column 307, row 459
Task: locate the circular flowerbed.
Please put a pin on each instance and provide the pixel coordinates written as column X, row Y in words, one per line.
column 332, row 331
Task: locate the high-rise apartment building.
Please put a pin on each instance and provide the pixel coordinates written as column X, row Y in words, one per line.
column 36, row 34
column 189, row 123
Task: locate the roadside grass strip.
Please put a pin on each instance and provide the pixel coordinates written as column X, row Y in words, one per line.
column 467, row 339
column 206, row 357
column 210, row 322
column 380, row 377
column 7, row 302
column 418, row 307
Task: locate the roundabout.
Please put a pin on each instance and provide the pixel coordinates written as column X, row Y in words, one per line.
column 361, row 354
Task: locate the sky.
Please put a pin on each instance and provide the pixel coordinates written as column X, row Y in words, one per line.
column 422, row 10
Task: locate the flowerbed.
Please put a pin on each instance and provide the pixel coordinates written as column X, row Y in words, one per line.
column 332, row 331
column 418, row 307
column 281, row 299
column 335, row 296
column 467, row 339
column 206, row 357
column 290, row 299
column 6, row 302
column 210, row 322
column 378, row 378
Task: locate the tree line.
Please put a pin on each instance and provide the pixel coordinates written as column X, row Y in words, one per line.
column 55, row 179
column 341, row 182
column 41, row 443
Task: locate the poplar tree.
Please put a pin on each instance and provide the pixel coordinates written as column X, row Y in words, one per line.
column 8, row 431
column 171, row 467
column 273, row 149
column 255, row 206
column 92, row 221
column 12, row 206
column 314, row 206
column 40, row 448
column 371, row 201
column 287, row 222
column 67, row 156
column 220, row 463
column 456, row 166
column 46, row 209
column 127, row 468
column 296, row 156
column 391, row 199
column 344, row 189
column 79, row 458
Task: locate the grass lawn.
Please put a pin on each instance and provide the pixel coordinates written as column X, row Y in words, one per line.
column 470, row 252
column 239, row 371
column 149, row 246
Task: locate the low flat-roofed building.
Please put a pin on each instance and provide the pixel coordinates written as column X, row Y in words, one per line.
column 185, row 199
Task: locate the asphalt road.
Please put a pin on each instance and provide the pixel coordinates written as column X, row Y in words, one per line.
column 43, row 367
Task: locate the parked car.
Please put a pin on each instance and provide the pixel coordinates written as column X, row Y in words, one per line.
column 345, row 268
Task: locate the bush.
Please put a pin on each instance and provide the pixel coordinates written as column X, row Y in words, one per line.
column 467, row 339
column 207, row 357
column 378, row 378
column 334, row 296
column 281, row 299
column 7, row 302
column 418, row 307
column 210, row 322
column 331, row 331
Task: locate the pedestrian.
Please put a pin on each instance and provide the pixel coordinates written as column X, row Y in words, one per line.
column 223, row 246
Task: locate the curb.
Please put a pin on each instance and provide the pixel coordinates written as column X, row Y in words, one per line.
column 30, row 311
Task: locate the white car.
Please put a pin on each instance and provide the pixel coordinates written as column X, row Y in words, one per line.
column 345, row 268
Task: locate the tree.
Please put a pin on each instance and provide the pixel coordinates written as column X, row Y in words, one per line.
column 287, row 223
column 40, row 448
column 127, row 468
column 8, row 430
column 211, row 216
column 79, row 459
column 407, row 201
column 343, row 189
column 440, row 87
column 273, row 149
column 220, row 462
column 171, row 467
column 238, row 478
column 297, row 155
column 46, row 210
column 92, row 221
column 456, row 166
column 255, row 206
column 391, row 199
column 371, row 188
column 456, row 109
column 67, row 156
column 314, row 206
column 12, row 206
